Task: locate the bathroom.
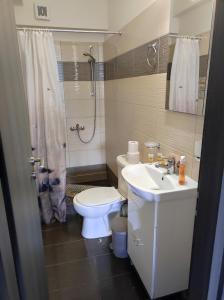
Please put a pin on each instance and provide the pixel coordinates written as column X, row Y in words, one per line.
column 114, row 97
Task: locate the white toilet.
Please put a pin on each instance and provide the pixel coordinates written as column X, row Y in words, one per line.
column 99, row 205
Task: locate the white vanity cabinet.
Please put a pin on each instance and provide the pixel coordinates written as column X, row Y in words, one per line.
column 160, row 241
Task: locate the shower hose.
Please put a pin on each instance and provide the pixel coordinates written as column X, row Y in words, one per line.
column 93, row 93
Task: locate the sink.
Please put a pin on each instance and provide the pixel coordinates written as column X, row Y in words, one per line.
column 153, row 184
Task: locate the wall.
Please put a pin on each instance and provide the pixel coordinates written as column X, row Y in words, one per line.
column 79, row 104
column 68, row 13
column 193, row 21
column 181, row 6
column 135, row 101
column 146, row 27
column 121, row 12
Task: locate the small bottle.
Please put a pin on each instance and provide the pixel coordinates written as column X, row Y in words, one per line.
column 182, row 168
column 159, row 157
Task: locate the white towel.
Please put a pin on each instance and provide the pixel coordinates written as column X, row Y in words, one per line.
column 184, row 82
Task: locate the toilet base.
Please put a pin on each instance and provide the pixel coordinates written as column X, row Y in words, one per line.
column 93, row 228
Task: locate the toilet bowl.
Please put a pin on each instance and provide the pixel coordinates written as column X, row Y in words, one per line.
column 100, row 205
column 97, row 206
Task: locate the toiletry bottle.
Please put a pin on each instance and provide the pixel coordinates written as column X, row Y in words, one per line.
column 151, row 158
column 159, row 157
column 152, row 151
column 182, row 168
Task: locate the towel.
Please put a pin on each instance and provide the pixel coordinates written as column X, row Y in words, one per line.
column 184, row 82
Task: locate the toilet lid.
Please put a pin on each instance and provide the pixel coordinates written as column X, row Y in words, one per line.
column 98, row 196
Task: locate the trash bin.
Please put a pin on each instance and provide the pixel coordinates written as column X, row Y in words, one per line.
column 119, row 237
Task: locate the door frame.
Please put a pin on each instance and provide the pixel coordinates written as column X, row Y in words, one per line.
column 211, row 167
column 9, row 271
column 22, row 205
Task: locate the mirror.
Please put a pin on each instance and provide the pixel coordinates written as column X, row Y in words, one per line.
column 189, row 42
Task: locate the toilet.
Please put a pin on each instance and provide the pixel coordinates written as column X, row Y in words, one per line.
column 99, row 205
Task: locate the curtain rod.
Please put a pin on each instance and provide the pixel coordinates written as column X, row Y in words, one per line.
column 72, row 30
column 175, row 35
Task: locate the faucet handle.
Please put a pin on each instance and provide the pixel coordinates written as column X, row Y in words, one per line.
column 172, row 160
column 171, row 165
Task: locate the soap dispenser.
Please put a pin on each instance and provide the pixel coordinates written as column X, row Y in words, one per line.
column 182, row 170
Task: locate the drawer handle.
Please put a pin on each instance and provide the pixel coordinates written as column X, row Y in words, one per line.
column 137, row 241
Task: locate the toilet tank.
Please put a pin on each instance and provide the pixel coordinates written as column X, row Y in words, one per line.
column 122, row 185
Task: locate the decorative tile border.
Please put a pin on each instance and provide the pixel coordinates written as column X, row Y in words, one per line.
column 79, row 71
column 130, row 64
column 134, row 62
column 203, row 65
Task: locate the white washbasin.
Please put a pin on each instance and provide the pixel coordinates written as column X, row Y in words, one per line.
column 152, row 184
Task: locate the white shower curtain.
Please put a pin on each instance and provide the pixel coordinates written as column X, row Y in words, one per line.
column 184, row 81
column 47, row 120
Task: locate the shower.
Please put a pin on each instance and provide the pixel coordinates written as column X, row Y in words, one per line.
column 78, row 128
column 92, row 59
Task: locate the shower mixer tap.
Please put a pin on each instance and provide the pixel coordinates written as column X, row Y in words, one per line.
column 77, row 127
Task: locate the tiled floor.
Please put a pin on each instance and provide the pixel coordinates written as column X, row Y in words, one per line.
column 80, row 269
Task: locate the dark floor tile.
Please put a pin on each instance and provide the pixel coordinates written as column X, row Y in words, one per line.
column 120, row 287
column 87, row 270
column 177, row 296
column 56, row 254
column 107, row 266
column 79, row 293
column 69, row 220
column 71, row 275
column 80, row 269
column 63, row 233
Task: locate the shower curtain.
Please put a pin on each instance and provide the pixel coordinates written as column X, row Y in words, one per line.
column 184, row 81
column 47, row 120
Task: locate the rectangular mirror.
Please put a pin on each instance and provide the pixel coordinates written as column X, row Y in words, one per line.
column 189, row 44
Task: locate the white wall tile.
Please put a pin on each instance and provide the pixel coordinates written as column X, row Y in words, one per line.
column 96, row 143
column 79, row 107
column 86, row 158
column 83, row 108
column 73, row 51
column 87, row 122
column 134, row 109
column 57, row 46
column 77, row 89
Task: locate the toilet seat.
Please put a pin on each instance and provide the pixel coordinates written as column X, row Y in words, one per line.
column 98, row 196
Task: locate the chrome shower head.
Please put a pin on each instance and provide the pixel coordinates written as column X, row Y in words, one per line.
column 91, row 58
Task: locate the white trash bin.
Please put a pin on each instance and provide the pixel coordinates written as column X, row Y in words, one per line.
column 119, row 237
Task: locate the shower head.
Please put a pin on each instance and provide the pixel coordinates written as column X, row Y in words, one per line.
column 91, row 58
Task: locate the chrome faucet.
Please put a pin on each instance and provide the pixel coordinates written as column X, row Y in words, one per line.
column 77, row 127
column 170, row 166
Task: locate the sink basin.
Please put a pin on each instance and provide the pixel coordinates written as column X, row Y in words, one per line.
column 153, row 184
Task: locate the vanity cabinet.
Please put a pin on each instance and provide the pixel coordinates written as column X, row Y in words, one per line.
column 160, row 238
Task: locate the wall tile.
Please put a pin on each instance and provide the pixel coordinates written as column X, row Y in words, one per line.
column 134, row 109
column 134, row 62
column 96, row 143
column 73, row 51
column 163, row 54
column 86, row 158
column 83, row 108
column 74, row 75
column 87, row 122
column 79, row 71
column 176, row 130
